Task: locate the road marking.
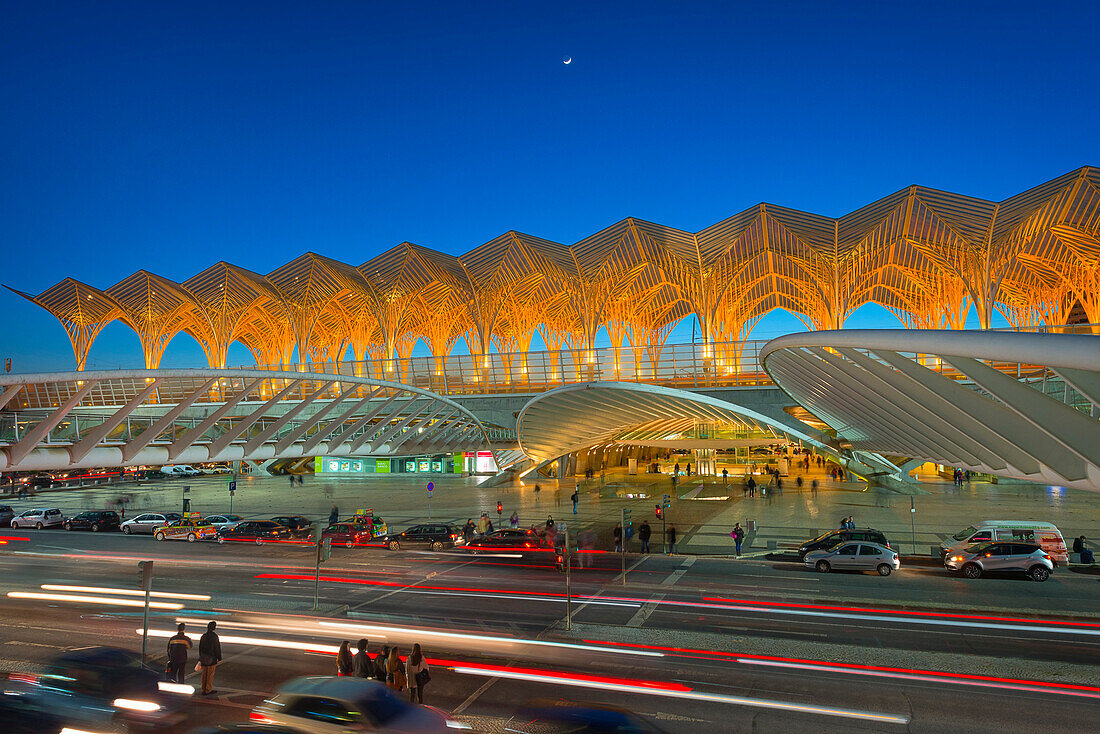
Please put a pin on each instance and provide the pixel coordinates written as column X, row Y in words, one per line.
column 642, row 614
column 679, row 573
column 477, row 694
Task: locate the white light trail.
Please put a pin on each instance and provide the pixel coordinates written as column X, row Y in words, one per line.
column 93, row 600
column 124, row 592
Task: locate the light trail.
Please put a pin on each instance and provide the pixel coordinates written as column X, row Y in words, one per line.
column 124, row 592
column 93, row 600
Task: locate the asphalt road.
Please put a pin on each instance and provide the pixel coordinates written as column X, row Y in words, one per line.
column 677, row 607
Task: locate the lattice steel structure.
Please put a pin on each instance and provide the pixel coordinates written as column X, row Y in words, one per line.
column 927, row 255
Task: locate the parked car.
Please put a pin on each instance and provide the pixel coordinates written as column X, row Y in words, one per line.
column 189, row 529
column 323, row 704
column 300, row 527
column 348, row 534
column 434, row 536
column 94, row 520
column 148, row 522
column 831, row 538
column 6, row 514
column 1027, row 558
column 522, row 541
column 256, row 531
column 224, row 522
column 855, row 557
column 1043, row 534
column 180, row 470
column 376, row 524
column 39, row 518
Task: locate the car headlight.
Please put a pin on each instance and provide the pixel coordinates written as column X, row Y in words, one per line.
column 135, row 705
column 956, row 559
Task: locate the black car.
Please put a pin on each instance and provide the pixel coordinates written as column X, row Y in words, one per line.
column 256, row 531
column 300, row 527
column 39, row 481
column 94, row 520
column 828, row 540
column 6, row 514
column 435, row 537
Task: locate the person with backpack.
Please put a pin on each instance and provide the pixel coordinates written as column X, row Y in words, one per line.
column 738, row 535
column 178, row 645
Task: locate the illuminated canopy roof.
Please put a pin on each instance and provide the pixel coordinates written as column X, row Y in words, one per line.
column 926, row 255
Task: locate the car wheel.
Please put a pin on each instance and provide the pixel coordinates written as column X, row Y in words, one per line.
column 823, row 566
column 437, row 546
column 126, row 529
column 221, row 540
column 972, row 570
column 394, row 545
column 95, row 527
column 259, row 541
column 68, row 526
column 159, row 536
column 350, row 544
column 191, row 537
column 1039, row 573
column 884, row 569
column 38, row 526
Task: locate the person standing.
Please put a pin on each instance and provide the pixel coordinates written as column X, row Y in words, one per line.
column 380, row 664
column 725, row 476
column 468, row 530
column 1080, row 546
column 344, row 659
column 514, row 520
column 752, row 487
column 575, row 497
column 671, row 539
column 738, row 535
column 643, row 535
column 333, row 515
column 798, row 483
column 178, row 645
column 395, row 677
column 416, row 672
column 210, row 654
column 617, row 533
column 361, row 663
column 537, row 490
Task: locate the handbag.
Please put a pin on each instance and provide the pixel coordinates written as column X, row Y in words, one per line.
column 198, row 667
column 422, row 678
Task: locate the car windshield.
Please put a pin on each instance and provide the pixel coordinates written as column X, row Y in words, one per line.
column 964, row 534
column 822, row 537
column 978, row 547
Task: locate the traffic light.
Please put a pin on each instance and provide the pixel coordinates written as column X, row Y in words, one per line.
column 145, row 575
column 559, row 559
column 500, row 508
column 657, row 509
column 628, row 525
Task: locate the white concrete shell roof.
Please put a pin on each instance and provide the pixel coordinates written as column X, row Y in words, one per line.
column 1020, row 405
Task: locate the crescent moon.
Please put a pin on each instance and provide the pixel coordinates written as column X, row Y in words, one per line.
column 567, row 60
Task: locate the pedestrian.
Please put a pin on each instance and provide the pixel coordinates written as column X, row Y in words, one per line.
column 537, row 490
column 380, row 664
column 671, row 539
column 643, row 535
column 291, row 478
column 301, row 480
column 344, row 659
column 676, row 469
column 617, row 533
column 333, row 515
column 738, row 535
column 361, row 663
column 689, row 469
column 1080, row 546
column 178, row 645
column 574, row 498
column 557, row 497
column 395, row 677
column 483, row 524
column 468, row 530
column 813, row 488
column 416, row 672
column 514, row 520
column 210, row 654
column 549, row 522
column 725, row 476
column 798, row 483
column 752, row 487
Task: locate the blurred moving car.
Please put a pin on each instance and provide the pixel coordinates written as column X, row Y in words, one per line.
column 1027, row 558
column 6, row 514
column 831, row 538
column 189, row 529
column 433, row 536
column 256, row 531
column 147, row 522
column 300, row 527
column 39, row 518
column 565, row 717
column 348, row 534
column 94, row 520
column 377, row 525
column 248, row 727
column 521, row 541
column 100, row 689
column 854, row 557
column 224, row 522
column 324, row 704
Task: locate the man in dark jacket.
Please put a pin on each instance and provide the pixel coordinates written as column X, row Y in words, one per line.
column 178, row 645
column 333, row 515
column 643, row 535
column 361, row 664
column 210, row 654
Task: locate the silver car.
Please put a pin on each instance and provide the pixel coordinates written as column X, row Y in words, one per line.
column 224, row 522
column 147, row 522
column 39, row 518
column 324, row 704
column 852, row 556
column 1027, row 558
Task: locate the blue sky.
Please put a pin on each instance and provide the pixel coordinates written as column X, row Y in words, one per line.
column 168, row 135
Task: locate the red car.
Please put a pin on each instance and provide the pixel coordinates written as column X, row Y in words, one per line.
column 349, row 533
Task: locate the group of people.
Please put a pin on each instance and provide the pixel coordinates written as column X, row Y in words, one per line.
column 210, row 654
column 958, row 476
column 296, row 479
column 1080, row 546
column 386, row 667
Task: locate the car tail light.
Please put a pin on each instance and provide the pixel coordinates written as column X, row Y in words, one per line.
column 257, row 716
column 895, row 556
column 23, row 677
column 1047, row 557
column 454, row 536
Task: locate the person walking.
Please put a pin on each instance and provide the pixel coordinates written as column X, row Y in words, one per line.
column 617, row 533
column 361, row 663
column 178, row 645
column 813, row 488
column 676, row 469
column 671, row 539
column 291, row 478
column 395, row 677
column 210, row 654
column 798, row 483
column 537, row 490
column 416, row 672
column 738, row 535
column 333, row 515
column 643, row 535
column 575, row 497
column 344, row 659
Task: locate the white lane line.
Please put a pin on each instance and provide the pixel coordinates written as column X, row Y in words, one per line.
column 679, row 573
column 476, row 695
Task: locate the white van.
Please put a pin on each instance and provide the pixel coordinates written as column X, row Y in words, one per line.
column 180, row 470
column 1043, row 534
